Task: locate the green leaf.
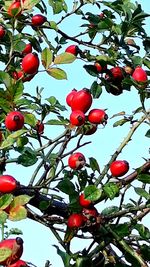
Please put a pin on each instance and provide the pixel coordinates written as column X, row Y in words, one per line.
column 91, row 70
column 58, row 6
column 20, row 200
column 96, row 90
column 53, row 25
column 64, row 58
column 92, row 193
column 144, row 178
column 5, row 201
column 18, row 45
column 46, row 57
column 4, row 254
column 56, row 122
column 16, row 90
column 17, row 134
column 143, row 231
column 142, row 192
column 66, row 186
column 122, row 229
column 120, row 122
column 148, row 134
column 30, row 119
column 64, row 256
column 29, row 4
column 3, row 217
column 57, row 73
column 94, row 164
column 110, row 210
column 146, row 62
column 111, row 190
column 5, row 79
column 28, row 157
column 137, row 61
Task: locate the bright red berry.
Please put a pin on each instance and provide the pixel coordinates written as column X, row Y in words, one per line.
column 16, row 245
column 99, row 67
column 139, row 75
column 2, row 32
column 14, row 121
column 30, row 63
column 77, row 118
column 117, row 73
column 76, row 161
column 14, row 9
column 75, row 220
column 72, row 49
column 82, row 100
column 119, row 168
column 97, row 116
column 85, row 203
column 7, row 183
column 70, row 97
column 27, row 49
column 38, row 20
column 19, row 263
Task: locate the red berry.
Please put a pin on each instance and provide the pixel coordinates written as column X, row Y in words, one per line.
column 16, row 245
column 90, row 213
column 97, row 116
column 14, row 121
column 101, row 15
column 84, row 202
column 119, row 168
column 77, row 118
column 82, row 100
column 40, row 127
column 72, row 49
column 7, row 183
column 27, row 49
column 70, row 97
column 20, row 75
column 15, row 9
column 19, row 263
column 117, row 73
column 2, row 32
column 75, row 220
column 30, row 63
column 139, row 75
column 100, row 68
column 76, row 161
column 38, row 20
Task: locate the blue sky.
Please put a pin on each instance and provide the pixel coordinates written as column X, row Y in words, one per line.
column 38, row 239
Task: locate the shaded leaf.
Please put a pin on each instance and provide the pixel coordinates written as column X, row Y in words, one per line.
column 96, row 90
column 144, row 178
column 142, row 192
column 94, row 164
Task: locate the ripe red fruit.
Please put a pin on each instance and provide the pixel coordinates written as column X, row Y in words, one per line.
column 27, row 49
column 7, row 183
column 16, row 245
column 30, row 63
column 76, row 161
column 72, row 49
column 19, row 263
column 82, row 100
column 85, row 203
column 97, row 116
column 2, row 32
column 100, row 68
column 90, row 213
column 139, row 75
column 117, row 73
column 38, row 20
column 14, row 121
column 70, row 97
column 75, row 220
column 14, row 9
column 40, row 127
column 119, row 168
column 77, row 118
column 20, row 75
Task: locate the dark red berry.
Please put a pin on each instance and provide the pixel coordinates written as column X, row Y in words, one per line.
column 30, row 63
column 38, row 20
column 75, row 220
column 14, row 121
column 97, row 116
column 77, row 118
column 119, row 168
column 40, row 127
column 76, row 161
column 82, row 100
column 7, row 183
column 2, row 32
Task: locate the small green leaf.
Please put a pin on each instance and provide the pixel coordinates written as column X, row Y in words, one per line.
column 144, row 178
column 53, row 25
column 91, row 70
column 94, row 164
column 4, row 254
column 92, row 193
column 120, row 122
column 30, row 119
column 28, row 157
column 142, row 192
column 148, row 134
column 110, row 210
column 46, row 57
column 96, row 90
column 143, row 231
column 111, row 190
column 3, row 216
column 5, row 201
column 64, row 58
column 64, row 256
column 66, row 186
column 57, row 73
column 56, row 122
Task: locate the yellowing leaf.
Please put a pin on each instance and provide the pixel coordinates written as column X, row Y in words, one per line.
column 64, row 58
column 18, row 213
column 57, row 73
column 20, row 200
